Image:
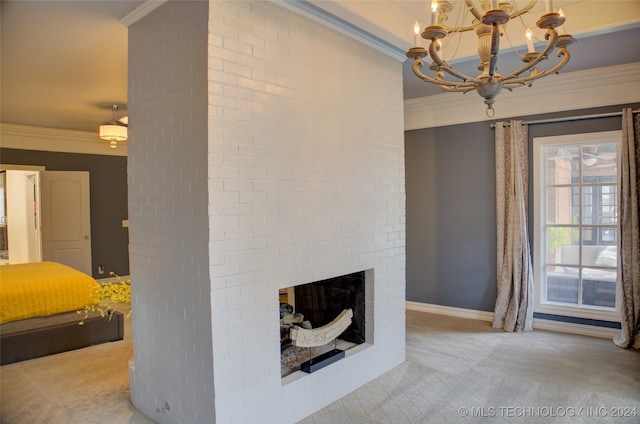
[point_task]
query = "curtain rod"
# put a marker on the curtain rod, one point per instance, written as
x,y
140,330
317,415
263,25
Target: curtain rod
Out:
x,y
570,118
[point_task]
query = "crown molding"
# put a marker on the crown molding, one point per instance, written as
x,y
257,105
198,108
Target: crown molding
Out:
x,y
56,140
330,13
337,16
141,11
574,90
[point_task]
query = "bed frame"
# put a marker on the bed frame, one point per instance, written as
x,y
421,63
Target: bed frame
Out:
x,y
36,337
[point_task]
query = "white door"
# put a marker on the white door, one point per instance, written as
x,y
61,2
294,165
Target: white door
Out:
x,y
66,225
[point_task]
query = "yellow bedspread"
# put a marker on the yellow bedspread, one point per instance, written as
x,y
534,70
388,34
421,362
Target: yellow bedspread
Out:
x,y
42,289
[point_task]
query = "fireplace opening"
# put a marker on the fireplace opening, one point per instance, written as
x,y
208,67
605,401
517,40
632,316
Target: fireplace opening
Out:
x,y
316,306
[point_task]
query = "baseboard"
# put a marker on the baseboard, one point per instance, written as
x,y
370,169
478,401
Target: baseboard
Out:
x,y
571,328
450,310
538,324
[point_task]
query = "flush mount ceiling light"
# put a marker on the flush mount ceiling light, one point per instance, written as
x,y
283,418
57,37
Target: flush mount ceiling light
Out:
x,y
489,22
114,130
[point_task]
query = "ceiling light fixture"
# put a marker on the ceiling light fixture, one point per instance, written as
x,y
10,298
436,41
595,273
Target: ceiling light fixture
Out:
x,y
489,23
113,131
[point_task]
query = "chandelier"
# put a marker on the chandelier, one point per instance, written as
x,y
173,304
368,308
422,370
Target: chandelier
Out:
x,y
489,23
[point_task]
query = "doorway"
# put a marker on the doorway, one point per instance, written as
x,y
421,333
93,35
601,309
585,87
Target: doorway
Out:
x,y
45,216
20,237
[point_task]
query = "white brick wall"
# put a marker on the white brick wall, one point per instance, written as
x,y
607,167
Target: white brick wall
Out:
x,y
168,214
294,172
306,167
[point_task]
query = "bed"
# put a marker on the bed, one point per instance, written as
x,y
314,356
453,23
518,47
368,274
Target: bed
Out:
x,y
38,312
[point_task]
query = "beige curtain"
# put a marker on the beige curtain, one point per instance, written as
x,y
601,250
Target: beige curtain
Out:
x,y
514,304
629,216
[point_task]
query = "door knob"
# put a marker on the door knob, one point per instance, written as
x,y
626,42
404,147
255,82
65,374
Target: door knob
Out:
x,y
86,237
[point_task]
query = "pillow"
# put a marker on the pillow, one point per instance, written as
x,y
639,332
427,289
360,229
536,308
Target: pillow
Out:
x,y
607,257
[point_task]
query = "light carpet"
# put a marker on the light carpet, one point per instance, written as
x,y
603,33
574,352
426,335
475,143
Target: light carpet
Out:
x,y
464,371
457,371
88,386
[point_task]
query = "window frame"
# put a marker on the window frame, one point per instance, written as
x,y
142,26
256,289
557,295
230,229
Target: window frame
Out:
x,y
539,230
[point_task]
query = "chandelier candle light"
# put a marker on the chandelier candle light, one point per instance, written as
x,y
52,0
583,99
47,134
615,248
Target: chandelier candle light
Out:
x,y
489,20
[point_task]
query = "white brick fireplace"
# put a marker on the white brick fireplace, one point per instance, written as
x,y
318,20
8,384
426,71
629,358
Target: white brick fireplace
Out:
x,y
304,180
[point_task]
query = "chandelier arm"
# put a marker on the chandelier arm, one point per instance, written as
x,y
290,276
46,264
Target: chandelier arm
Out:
x,y
418,63
510,87
565,58
551,34
452,30
462,90
473,10
446,67
524,10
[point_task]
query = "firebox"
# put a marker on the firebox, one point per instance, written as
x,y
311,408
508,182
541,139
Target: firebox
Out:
x,y
319,306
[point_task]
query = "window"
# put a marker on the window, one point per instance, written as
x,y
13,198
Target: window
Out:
x,y
576,224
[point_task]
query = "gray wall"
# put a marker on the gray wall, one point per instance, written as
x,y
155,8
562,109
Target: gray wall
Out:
x,y
450,186
108,185
451,222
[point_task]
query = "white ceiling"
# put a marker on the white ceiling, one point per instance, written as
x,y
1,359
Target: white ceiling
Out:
x,y
65,62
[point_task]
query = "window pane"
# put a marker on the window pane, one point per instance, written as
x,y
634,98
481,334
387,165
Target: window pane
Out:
x,y
599,287
560,164
608,205
599,205
587,205
590,254
589,235
608,236
562,284
605,257
562,207
599,163
563,245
